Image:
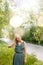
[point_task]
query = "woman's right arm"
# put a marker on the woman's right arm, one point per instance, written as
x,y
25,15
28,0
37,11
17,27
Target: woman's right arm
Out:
x,y
12,45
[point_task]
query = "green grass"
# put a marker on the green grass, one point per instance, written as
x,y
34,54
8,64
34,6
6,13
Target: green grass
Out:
x,y
6,56
32,60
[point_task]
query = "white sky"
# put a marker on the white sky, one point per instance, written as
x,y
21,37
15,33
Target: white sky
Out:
x,y
26,5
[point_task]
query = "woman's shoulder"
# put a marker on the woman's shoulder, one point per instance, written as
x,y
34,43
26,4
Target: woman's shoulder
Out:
x,y
24,42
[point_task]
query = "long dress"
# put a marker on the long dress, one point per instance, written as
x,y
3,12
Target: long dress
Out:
x,y
18,58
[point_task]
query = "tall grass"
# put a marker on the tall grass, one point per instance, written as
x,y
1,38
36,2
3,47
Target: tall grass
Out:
x,y
6,56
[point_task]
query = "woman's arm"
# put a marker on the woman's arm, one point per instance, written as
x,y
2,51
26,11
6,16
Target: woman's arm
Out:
x,y
12,45
25,54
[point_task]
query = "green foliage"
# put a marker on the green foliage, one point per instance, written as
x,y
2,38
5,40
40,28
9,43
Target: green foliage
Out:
x,y
6,54
4,15
38,34
0,1
34,35
32,60
38,63
2,44
28,36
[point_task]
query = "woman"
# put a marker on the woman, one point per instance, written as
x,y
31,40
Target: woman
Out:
x,y
20,51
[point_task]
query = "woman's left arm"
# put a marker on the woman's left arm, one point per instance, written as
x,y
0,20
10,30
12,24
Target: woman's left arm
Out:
x,y
25,54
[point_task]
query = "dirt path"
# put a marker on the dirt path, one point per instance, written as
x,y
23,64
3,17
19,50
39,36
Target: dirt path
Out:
x,y
35,49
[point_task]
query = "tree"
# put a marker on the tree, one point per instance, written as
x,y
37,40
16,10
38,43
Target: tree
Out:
x,y
4,15
41,5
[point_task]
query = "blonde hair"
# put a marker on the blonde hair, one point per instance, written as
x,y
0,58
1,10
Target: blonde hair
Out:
x,y
17,36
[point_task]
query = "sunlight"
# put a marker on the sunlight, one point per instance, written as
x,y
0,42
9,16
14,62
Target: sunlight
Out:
x,y
26,5
16,21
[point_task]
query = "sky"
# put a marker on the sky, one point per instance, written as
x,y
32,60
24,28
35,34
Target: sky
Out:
x,y
27,4
22,5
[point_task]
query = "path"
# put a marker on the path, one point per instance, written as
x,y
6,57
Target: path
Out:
x,y
35,49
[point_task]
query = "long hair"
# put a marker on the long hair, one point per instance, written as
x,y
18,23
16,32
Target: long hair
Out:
x,y
17,35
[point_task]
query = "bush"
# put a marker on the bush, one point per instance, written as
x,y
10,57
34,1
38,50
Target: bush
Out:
x,y
34,35
38,63
28,36
38,34
6,54
32,60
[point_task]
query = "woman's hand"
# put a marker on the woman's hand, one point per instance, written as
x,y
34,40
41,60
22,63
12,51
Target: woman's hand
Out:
x,y
25,61
12,45
9,46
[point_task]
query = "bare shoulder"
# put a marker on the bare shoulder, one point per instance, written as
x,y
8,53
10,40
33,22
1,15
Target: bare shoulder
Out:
x,y
24,43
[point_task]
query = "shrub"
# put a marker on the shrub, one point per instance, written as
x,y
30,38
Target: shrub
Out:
x,y
28,36
6,54
38,34
38,63
32,60
34,35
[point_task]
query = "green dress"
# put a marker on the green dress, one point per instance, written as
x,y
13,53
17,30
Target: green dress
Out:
x,y
18,58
